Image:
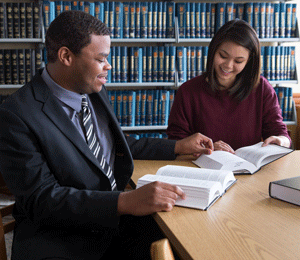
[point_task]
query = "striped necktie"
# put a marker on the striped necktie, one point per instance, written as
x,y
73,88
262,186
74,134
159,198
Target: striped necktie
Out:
x,y
93,143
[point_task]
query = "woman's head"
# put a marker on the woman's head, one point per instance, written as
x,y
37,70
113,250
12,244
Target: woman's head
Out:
x,y
233,60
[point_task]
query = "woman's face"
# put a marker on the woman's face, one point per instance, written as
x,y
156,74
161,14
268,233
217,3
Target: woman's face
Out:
x,y
230,59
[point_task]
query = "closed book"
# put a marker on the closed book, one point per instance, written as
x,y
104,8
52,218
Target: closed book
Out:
x,y
208,20
170,20
288,27
220,15
138,100
22,20
14,67
37,8
125,108
181,13
111,25
282,20
58,7
144,20
256,18
203,20
192,20
16,20
131,108
137,20
7,67
124,61
29,20
132,20
9,20
2,81
126,19
286,189
150,19
294,20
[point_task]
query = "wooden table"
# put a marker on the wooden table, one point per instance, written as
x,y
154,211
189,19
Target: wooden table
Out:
x,y
244,224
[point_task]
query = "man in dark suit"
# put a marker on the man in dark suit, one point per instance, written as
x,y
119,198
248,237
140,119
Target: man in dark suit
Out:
x,y
70,204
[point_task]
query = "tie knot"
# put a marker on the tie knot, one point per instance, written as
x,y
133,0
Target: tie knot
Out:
x,y
84,103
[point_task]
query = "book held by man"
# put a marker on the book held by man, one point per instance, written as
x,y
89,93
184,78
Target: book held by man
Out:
x,y
287,190
201,186
246,160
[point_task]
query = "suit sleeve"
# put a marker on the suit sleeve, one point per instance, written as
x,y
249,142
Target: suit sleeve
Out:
x,y
39,195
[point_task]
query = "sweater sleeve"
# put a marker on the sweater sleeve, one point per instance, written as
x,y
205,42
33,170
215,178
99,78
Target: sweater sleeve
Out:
x,y
272,124
178,124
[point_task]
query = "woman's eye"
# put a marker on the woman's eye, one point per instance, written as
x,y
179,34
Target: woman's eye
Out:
x,y
222,56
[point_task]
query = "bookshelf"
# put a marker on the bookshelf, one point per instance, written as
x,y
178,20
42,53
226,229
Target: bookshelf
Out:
x,y
169,38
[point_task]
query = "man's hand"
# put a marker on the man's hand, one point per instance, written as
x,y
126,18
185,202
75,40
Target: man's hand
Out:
x,y
222,146
148,199
279,140
195,144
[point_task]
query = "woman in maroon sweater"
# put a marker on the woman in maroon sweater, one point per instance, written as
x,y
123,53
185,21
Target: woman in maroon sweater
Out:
x,y
230,103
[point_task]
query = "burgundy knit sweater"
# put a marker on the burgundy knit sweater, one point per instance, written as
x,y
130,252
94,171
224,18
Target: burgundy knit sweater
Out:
x,y
197,109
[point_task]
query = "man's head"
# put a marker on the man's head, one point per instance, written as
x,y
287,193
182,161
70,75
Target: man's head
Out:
x,y
72,29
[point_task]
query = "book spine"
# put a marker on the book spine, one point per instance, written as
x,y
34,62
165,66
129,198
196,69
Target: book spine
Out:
x,y
286,104
282,62
124,57
9,20
192,21
208,20
273,63
106,13
149,64
197,20
294,20
171,20
131,64
118,63
276,20
29,20
67,7
138,100
131,108
288,28
137,64
132,20
172,96
14,66
58,7
119,108
198,60
22,7
188,62
28,66
181,13
155,106
118,19
2,68
282,21
143,107
138,20
204,55
180,63
7,66
257,18
166,65
268,62
37,14
249,13
293,63
111,23
272,21
125,108
172,63
164,20
144,64
290,109
113,101
150,19
144,20
126,19
220,15
268,20
240,11
113,64
159,19
155,64
161,65
229,12
149,107
16,20
188,20
213,20
193,62
154,19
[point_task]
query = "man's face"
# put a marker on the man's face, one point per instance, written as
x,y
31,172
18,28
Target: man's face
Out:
x,y
90,67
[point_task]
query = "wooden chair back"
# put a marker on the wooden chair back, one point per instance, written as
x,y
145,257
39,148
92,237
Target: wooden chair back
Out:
x,y
161,250
5,228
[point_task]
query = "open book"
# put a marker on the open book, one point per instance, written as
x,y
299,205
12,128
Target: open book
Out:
x,y
201,186
246,160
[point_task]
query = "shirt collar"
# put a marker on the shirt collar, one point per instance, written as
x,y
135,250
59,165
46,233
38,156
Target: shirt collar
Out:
x,y
68,97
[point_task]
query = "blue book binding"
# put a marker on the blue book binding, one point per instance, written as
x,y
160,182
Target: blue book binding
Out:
x,y
155,64
124,62
197,20
181,14
256,18
161,64
138,20
125,108
118,63
282,21
220,15
143,107
172,63
203,20
288,27
249,13
144,19
192,21
126,19
131,108
170,20
149,107
154,19
149,64
150,19
138,103
159,19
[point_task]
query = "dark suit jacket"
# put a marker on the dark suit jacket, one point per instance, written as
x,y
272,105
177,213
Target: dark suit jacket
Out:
x,y
64,206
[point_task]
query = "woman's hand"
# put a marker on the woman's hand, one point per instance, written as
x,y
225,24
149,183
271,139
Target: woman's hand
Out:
x,y
279,140
222,146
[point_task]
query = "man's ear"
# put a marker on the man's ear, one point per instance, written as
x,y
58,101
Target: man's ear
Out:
x,y
65,56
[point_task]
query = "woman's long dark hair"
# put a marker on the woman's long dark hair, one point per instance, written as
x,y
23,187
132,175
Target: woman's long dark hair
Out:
x,y
241,33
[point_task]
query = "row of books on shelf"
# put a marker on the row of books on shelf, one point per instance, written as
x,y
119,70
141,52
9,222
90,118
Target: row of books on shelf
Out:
x,y
142,107
195,20
148,64
270,20
139,135
285,99
20,20
278,62
17,66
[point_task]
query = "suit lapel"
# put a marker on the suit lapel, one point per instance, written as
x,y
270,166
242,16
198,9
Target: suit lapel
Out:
x,y
53,110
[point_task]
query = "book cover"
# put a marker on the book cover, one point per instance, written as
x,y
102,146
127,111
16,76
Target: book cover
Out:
x,y
124,62
208,20
126,19
131,108
166,65
286,189
203,20
118,63
111,23
29,20
66,6
229,14
294,20
193,62
188,62
164,20
28,64
198,60
119,107
14,66
257,19
118,20
213,20
161,64
37,14
155,106
197,20
249,13
171,20
172,63
113,63
180,63
268,20
159,19
192,21
99,10
288,26
149,63
149,107
138,64
143,107
106,13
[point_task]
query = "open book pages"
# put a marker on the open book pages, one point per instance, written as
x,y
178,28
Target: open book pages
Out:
x,y
202,189
246,160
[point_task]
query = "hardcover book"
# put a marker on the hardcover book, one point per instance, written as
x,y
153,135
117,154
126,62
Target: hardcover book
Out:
x,y
202,187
